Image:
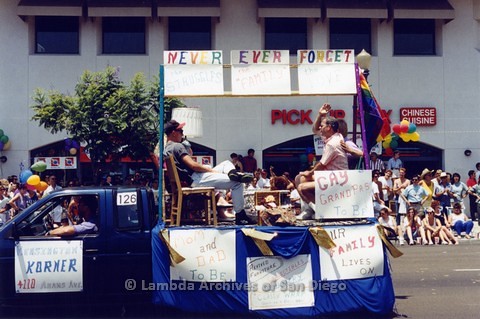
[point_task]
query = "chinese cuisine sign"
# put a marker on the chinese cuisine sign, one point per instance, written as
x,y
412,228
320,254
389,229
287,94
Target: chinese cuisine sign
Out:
x,y
48,266
343,194
209,255
358,253
277,282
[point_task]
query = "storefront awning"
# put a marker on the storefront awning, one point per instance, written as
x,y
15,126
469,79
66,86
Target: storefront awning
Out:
x,y
189,8
289,9
370,9
119,8
424,9
50,8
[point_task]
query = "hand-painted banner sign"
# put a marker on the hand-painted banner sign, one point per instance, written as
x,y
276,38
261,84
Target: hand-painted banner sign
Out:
x,y
209,255
358,253
343,194
276,282
260,72
326,72
48,266
190,73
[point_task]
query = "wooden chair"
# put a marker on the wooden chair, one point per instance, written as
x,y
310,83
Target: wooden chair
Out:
x,y
178,194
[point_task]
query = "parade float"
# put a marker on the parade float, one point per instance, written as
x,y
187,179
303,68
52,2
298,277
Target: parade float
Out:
x,y
334,264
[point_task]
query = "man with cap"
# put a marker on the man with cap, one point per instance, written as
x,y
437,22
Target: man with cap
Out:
x,y
191,173
442,192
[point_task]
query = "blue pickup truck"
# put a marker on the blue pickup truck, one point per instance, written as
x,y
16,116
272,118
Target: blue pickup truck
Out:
x,y
89,268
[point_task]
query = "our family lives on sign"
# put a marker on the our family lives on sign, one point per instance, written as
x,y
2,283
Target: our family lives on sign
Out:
x,y
48,266
343,194
209,255
358,253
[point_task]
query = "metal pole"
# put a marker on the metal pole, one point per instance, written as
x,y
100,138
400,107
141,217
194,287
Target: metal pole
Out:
x,y
161,104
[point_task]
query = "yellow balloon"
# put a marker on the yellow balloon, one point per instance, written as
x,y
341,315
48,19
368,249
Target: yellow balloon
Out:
x,y
386,144
405,122
415,136
33,180
41,186
406,137
7,145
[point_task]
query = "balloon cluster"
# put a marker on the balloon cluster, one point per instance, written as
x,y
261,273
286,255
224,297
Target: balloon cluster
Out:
x,y
5,143
405,130
71,146
32,180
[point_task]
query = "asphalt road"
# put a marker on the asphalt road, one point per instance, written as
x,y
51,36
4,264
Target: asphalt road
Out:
x,y
438,281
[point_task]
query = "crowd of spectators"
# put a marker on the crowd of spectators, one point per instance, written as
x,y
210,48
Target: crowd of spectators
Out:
x,y
429,208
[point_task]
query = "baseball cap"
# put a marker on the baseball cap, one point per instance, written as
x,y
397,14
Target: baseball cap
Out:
x,y
171,126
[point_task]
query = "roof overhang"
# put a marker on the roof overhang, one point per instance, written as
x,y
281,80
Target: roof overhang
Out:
x,y
185,8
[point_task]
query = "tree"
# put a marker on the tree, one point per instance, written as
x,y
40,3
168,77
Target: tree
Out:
x,y
110,118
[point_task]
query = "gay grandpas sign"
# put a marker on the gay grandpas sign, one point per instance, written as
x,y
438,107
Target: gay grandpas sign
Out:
x,y
343,194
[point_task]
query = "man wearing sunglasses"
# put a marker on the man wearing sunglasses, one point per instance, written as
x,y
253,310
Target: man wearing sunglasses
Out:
x,y
415,195
223,176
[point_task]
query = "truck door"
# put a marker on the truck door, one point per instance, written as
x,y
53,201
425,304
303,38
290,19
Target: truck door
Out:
x,y
42,270
128,246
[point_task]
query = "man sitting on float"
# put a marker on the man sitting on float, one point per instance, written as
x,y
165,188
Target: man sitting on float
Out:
x,y
334,157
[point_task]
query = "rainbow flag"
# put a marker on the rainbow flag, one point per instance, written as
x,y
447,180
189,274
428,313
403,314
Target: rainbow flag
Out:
x,y
377,124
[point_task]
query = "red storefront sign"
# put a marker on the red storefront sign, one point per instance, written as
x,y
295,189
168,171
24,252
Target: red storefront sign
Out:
x,y
420,116
294,117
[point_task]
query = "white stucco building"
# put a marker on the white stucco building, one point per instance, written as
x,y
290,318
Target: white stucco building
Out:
x,y
443,74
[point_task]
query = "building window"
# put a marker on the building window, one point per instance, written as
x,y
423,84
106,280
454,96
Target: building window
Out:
x,y
190,33
351,34
56,35
414,37
123,35
286,34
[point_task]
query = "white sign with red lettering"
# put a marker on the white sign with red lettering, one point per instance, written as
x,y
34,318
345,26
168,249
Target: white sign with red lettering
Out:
x,y
209,255
358,253
343,194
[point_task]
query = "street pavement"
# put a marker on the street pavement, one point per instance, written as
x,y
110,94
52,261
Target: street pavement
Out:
x,y
438,281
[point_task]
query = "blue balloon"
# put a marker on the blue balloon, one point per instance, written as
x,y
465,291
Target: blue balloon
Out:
x,y
24,175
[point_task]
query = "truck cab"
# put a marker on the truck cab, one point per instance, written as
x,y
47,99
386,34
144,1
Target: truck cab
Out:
x,y
97,267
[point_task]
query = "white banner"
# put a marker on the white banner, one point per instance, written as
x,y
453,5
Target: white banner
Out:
x,y
280,283
319,144
343,194
358,253
59,162
209,255
326,72
260,72
49,266
190,73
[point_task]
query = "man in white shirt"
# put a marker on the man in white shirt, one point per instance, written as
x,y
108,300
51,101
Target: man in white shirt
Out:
x,y
56,213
